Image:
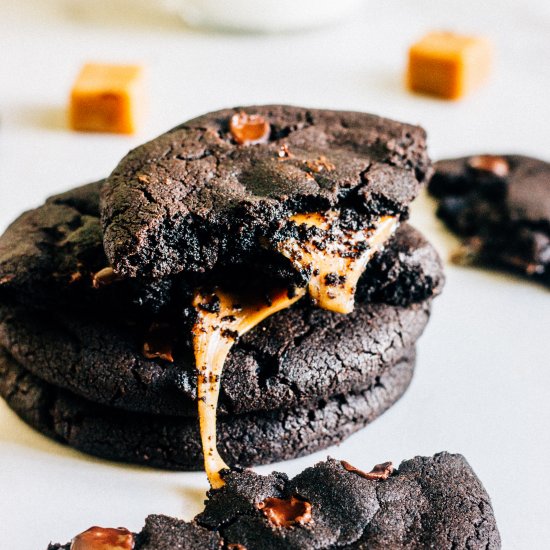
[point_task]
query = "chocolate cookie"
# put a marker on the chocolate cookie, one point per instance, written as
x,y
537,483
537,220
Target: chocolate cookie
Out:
x,y
49,256
500,205
428,502
174,442
293,358
217,190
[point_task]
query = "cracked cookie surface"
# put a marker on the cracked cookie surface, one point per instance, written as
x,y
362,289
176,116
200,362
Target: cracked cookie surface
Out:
x,y
293,358
173,442
194,198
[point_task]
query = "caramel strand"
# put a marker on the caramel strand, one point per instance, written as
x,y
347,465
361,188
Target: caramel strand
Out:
x,y
335,261
221,318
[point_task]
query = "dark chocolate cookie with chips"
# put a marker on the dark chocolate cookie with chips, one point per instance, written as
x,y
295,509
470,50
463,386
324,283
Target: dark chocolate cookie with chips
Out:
x,y
220,189
297,356
52,257
174,442
428,502
500,206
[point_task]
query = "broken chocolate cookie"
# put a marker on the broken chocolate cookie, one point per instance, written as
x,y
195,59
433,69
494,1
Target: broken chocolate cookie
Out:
x,y
428,502
500,206
53,257
202,195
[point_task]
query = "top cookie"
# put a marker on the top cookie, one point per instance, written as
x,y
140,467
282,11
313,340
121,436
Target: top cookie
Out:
x,y
217,190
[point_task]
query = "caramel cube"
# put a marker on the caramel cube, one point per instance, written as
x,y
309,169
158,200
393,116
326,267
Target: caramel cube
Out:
x,y
107,98
448,65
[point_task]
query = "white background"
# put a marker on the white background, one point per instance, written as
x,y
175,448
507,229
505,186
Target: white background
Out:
x,y
483,375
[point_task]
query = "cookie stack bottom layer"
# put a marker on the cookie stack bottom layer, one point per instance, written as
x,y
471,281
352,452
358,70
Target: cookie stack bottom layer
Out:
x,y
174,443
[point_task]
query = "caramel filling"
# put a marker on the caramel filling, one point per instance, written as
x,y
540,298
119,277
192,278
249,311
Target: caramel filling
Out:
x,y
222,318
335,260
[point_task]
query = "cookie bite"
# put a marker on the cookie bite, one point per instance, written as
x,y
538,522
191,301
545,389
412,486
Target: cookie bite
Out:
x,y
242,289
500,206
427,502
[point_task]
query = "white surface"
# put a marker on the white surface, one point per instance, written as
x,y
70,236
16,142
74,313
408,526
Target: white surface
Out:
x,y
483,373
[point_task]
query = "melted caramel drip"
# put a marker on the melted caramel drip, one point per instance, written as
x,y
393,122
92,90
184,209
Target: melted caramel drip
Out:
x,y
336,259
222,318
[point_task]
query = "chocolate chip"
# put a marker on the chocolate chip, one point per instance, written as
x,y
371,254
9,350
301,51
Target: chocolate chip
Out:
x,y
104,277
103,538
284,512
249,129
379,472
159,342
495,165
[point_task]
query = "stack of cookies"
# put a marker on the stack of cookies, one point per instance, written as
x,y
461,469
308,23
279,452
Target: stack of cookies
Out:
x,y
252,266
